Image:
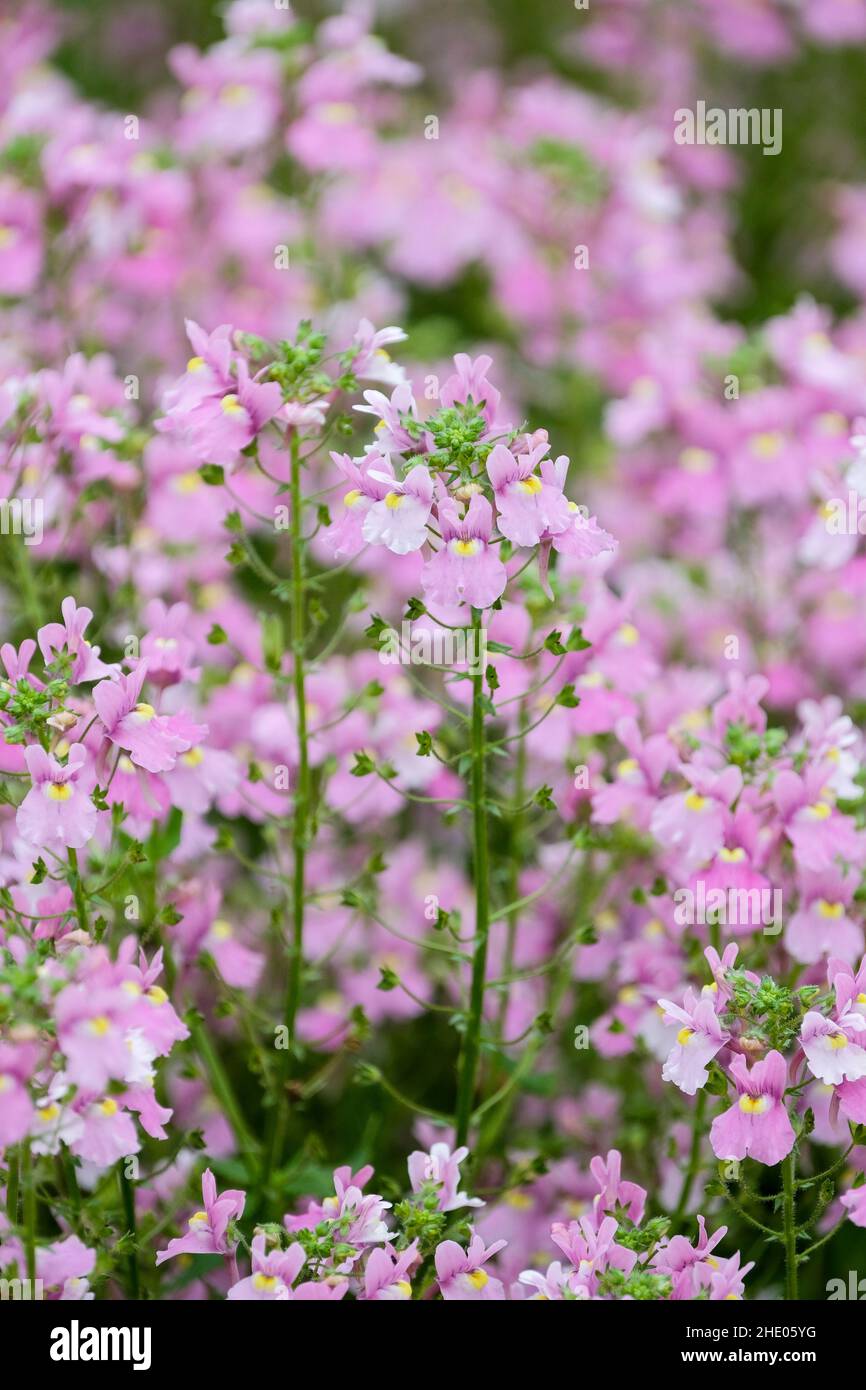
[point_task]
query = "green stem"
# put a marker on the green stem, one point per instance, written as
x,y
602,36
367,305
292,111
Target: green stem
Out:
x,y
220,1084
29,1210
788,1184
300,823
78,891
468,1066
694,1155
515,865
12,1181
127,1197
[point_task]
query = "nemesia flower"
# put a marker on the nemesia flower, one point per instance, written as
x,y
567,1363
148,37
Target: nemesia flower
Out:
x,y
757,1124
442,1168
153,741
58,811
698,1040
209,1228
461,1274
399,520
466,569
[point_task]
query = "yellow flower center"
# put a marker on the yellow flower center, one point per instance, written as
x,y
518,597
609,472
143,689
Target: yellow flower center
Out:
x,y
145,711
628,635
684,1035
188,482
157,995
531,485
236,94
195,364
767,445
754,1105
231,405
393,501
696,460
352,498
405,1287
478,1278
265,1281
193,757
732,856
99,1026
837,1041
520,1201
198,1218
820,810
826,909
465,547
109,1106
222,930
58,791
48,1112
338,113
694,802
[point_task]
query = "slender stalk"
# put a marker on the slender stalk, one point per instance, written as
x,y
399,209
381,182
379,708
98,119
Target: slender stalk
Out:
x,y
127,1197
222,1087
29,1187
694,1155
468,1066
300,823
277,1118
78,890
514,867
790,1225
12,1182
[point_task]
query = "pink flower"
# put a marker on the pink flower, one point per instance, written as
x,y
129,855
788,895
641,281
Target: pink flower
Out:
x,y
208,1229
613,1191
854,1202
442,1168
153,741
370,480
399,521
699,1038
679,1254
58,811
757,1124
16,1108
107,1134
466,569
461,1275
469,382
592,1248
528,507
69,636
208,372
273,1274
835,1050
166,647
385,1275
220,426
